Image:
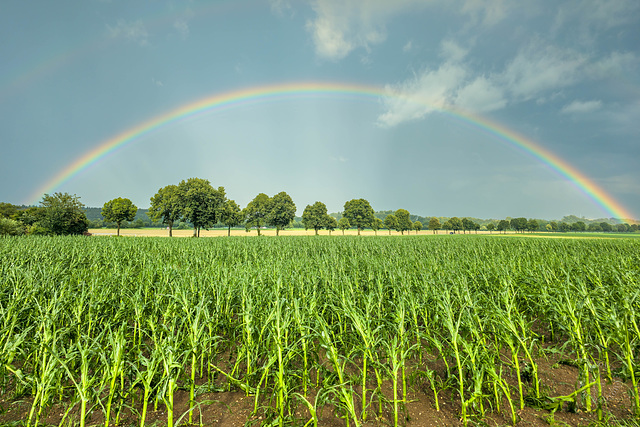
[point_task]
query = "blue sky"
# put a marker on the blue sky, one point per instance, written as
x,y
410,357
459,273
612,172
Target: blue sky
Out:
x,y
563,74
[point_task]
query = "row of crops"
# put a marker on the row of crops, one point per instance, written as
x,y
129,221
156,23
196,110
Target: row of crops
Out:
x,y
113,328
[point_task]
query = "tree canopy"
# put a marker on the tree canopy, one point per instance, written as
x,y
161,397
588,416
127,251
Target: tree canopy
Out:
x,y
256,212
166,205
359,213
315,216
119,210
282,210
62,214
201,203
404,222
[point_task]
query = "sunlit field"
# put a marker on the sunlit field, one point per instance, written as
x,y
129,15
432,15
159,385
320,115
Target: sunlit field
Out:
x,y
324,331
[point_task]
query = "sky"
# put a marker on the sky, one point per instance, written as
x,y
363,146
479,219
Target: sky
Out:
x,y
441,78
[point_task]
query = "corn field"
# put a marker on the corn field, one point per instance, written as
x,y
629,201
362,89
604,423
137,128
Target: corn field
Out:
x,y
308,331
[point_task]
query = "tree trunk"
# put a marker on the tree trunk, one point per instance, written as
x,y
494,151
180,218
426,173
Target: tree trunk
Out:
x,y
229,232
171,229
277,231
195,231
118,229
358,231
258,230
316,231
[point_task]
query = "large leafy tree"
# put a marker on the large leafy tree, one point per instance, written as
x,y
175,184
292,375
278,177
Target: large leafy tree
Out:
x,y
256,212
404,221
344,224
315,216
376,225
119,210
230,215
282,210
503,225
467,224
519,224
201,203
7,210
391,222
359,213
532,225
331,224
62,214
434,224
166,205
455,223
417,226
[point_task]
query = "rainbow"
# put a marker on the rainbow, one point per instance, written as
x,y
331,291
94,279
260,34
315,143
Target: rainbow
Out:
x,y
305,89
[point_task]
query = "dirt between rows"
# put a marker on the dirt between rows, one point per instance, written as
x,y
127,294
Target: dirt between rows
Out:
x,y
235,408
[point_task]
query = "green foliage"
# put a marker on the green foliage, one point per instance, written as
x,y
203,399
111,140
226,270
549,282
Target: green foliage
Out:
x,y
10,227
7,210
403,221
359,213
315,216
119,210
434,224
230,215
376,225
519,224
455,224
256,212
201,203
62,214
391,222
344,224
503,225
166,206
417,226
282,210
360,325
331,223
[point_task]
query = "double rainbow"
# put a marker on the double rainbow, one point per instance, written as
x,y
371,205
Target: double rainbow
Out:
x,y
271,92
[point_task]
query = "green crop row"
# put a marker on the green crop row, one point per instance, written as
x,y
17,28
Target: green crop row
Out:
x,y
118,325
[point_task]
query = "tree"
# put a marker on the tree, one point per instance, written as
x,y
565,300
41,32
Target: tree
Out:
x,y
563,227
10,227
256,212
282,210
7,210
491,226
166,205
622,228
554,226
119,210
519,224
455,223
376,225
344,224
391,222
315,216
417,226
605,226
503,225
62,214
532,225
578,226
467,224
404,220
201,203
594,227
434,224
230,215
359,213
331,223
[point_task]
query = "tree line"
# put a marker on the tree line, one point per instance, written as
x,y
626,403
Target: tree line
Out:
x,y
197,202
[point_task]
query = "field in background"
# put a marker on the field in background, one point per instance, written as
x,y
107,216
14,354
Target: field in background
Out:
x,y
334,331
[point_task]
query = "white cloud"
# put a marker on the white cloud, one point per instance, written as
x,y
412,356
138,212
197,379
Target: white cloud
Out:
x,y
481,95
130,31
430,91
581,107
341,26
540,68
182,27
407,47
279,7
452,51
156,82
488,12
